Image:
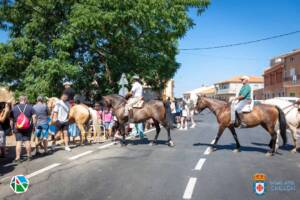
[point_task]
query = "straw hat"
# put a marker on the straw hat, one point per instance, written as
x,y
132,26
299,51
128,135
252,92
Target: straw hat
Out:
x,y
6,95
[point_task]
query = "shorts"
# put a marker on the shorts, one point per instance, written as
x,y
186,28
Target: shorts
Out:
x,y
108,125
61,126
24,136
42,131
52,129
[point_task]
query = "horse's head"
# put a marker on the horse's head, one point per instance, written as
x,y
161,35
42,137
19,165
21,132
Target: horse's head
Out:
x,y
51,103
201,104
112,100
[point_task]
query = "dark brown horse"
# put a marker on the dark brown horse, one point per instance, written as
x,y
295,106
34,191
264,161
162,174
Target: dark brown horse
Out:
x,y
271,118
153,109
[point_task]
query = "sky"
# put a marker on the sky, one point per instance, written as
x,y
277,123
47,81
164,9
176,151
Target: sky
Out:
x,y
232,21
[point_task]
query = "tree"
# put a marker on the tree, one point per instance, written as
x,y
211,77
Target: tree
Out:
x,y
88,41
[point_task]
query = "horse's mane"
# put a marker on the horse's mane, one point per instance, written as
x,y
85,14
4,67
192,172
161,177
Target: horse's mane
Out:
x,y
218,101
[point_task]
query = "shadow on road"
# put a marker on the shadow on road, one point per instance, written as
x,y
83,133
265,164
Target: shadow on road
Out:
x,y
287,147
232,147
145,141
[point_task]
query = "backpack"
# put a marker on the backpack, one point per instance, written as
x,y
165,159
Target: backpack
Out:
x,y
22,122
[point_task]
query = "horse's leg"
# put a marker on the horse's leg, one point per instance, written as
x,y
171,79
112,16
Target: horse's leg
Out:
x,y
294,136
157,127
273,141
232,130
82,133
122,130
170,142
220,132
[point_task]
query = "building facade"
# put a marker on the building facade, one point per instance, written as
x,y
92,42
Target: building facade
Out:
x,y
229,88
282,78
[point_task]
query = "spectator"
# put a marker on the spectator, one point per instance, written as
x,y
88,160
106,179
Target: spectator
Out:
x,y
178,113
60,119
184,116
139,127
173,111
4,126
191,108
69,91
25,112
107,118
42,125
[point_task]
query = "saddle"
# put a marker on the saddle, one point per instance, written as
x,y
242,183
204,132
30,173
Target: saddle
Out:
x,y
139,104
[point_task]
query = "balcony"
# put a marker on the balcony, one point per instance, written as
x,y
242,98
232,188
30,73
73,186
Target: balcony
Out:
x,y
289,82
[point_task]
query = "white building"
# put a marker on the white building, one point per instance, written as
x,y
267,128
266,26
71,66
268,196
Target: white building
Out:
x,y
229,88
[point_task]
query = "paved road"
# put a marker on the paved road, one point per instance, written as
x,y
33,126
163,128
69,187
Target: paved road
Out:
x,y
140,171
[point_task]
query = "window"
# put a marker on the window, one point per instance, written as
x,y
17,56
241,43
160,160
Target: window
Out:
x,y
291,59
292,94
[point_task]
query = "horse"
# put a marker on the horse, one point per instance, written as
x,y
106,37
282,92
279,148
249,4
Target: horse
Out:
x,y
270,117
292,116
82,115
157,110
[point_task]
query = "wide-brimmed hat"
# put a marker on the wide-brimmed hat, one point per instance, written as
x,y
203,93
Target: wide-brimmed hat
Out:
x,y
6,95
67,83
245,78
136,77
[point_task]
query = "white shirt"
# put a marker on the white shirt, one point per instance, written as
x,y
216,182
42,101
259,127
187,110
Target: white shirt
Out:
x,y
137,89
62,109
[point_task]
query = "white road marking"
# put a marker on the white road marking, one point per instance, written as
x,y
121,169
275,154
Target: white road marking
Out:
x,y
200,164
80,155
207,150
189,188
106,145
42,170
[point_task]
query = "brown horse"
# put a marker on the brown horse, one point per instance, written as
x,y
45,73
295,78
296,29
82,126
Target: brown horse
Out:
x,y
271,118
153,109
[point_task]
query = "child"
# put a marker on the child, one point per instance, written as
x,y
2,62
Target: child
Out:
x,y
107,118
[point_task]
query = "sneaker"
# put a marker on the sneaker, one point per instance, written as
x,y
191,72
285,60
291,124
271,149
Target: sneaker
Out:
x,y
181,128
186,128
193,126
18,161
67,148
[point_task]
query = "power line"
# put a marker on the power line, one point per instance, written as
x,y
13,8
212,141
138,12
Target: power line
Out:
x,y
241,43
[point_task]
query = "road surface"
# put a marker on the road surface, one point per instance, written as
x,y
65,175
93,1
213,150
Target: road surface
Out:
x,y
139,171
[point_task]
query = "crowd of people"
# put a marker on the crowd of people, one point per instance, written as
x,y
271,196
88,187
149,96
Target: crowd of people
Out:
x,y
182,112
51,123
40,124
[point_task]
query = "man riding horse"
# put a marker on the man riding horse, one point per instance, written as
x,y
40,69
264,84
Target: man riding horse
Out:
x,y
136,94
240,102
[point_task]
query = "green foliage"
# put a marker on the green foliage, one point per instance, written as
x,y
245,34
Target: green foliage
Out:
x,y
91,40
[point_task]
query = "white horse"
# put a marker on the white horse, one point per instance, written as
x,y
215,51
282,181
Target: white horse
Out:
x,y
292,116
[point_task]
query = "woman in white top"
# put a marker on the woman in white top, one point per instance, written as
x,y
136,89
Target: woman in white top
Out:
x,y
185,111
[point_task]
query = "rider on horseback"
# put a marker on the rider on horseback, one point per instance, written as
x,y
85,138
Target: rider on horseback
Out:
x,y
136,94
243,99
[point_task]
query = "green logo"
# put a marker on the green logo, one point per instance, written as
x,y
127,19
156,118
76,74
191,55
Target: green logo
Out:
x,y
19,184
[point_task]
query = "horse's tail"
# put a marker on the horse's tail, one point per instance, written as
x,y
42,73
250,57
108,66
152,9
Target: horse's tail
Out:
x,y
95,122
168,115
282,124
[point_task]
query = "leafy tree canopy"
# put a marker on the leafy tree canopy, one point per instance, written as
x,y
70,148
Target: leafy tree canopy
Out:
x,y
90,41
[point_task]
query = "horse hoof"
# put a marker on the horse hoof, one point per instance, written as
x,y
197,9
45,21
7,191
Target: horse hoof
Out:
x,y
152,144
211,149
294,150
171,144
269,154
236,151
